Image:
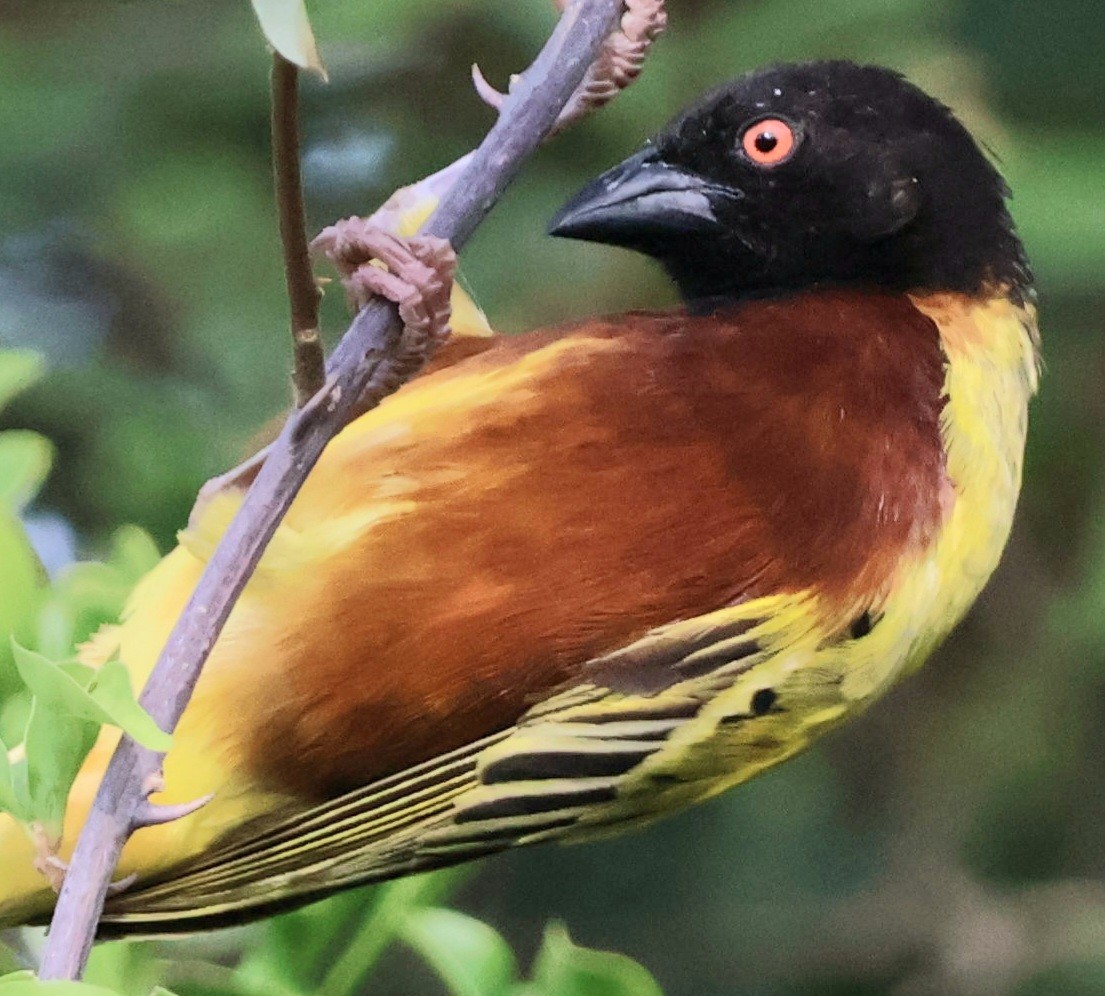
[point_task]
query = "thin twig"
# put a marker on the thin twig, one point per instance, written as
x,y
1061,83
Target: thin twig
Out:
x,y
150,814
309,371
360,373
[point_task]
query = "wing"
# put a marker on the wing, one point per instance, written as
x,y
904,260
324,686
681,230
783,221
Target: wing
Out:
x,y
598,757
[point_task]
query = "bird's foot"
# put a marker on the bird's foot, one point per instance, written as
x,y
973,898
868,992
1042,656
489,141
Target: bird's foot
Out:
x,y
618,65
415,273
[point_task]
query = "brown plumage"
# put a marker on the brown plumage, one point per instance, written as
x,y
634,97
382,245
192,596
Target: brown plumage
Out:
x,y
554,518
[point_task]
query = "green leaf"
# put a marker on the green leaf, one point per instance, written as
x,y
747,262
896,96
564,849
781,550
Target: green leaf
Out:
x,y
471,958
9,962
394,902
108,697
87,595
125,966
9,796
25,459
297,946
54,629
288,30
25,984
565,969
56,746
14,717
61,687
111,690
21,586
133,552
19,369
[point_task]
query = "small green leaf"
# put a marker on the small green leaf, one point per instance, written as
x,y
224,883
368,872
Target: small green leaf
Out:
x,y
107,699
15,711
71,702
565,969
133,552
126,967
60,687
393,903
297,946
111,690
86,595
18,371
471,958
25,984
82,674
288,30
54,629
8,961
25,459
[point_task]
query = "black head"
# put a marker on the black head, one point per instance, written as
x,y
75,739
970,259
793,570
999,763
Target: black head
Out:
x,y
794,175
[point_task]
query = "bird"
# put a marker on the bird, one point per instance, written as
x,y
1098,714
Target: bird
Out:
x,y
574,580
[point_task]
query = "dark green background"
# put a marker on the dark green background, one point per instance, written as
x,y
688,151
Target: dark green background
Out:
x,y
949,842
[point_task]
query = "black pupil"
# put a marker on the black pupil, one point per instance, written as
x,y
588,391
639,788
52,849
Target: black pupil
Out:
x,y
765,141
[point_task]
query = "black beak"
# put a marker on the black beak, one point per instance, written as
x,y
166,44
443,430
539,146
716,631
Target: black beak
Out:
x,y
639,200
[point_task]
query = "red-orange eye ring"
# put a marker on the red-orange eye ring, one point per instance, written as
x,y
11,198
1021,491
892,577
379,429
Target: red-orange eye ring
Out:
x,y
769,142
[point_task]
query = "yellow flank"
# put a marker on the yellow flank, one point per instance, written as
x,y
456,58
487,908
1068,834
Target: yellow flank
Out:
x,y
991,376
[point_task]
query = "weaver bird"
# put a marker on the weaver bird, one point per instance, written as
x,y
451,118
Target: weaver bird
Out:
x,y
587,576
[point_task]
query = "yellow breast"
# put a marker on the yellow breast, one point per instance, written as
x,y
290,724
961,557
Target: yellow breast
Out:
x,y
991,376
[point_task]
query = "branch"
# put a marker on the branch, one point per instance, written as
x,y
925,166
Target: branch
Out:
x,y
360,375
618,65
309,371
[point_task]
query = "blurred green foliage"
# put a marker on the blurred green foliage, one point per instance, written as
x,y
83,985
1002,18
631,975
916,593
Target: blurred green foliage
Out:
x,y
51,706
334,948
947,843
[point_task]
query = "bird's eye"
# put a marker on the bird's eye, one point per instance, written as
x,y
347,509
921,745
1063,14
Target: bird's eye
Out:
x,y
769,142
